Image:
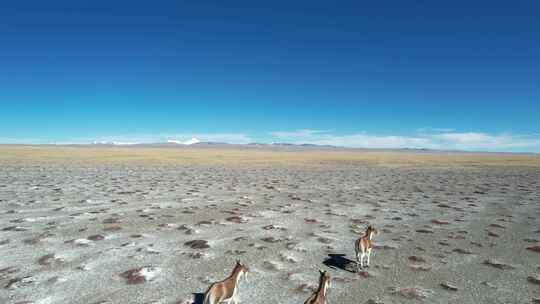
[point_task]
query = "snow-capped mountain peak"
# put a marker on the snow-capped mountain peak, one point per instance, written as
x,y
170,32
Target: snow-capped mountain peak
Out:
x,y
187,142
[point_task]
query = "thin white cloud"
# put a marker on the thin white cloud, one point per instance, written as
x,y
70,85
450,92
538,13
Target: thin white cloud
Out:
x,y
187,138
359,140
296,133
483,141
232,138
443,140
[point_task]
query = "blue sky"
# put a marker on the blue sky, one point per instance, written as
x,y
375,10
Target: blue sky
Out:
x,y
379,74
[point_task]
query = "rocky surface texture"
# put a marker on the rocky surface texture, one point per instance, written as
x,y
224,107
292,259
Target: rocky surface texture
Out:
x,y
72,233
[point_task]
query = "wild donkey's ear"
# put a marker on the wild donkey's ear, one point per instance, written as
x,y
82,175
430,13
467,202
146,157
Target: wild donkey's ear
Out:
x,y
238,262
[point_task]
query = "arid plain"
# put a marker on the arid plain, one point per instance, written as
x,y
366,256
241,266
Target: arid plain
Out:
x,y
88,225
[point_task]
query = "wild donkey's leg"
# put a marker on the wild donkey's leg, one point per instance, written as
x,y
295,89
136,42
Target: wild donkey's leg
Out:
x,y
368,256
209,299
362,259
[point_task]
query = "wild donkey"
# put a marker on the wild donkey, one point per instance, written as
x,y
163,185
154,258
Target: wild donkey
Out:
x,y
319,297
363,246
226,290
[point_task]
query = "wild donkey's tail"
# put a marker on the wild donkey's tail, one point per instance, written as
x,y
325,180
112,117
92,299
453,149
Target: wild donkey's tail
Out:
x,y
357,246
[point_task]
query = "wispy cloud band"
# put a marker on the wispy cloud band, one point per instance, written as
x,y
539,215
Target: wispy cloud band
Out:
x,y
443,139
426,138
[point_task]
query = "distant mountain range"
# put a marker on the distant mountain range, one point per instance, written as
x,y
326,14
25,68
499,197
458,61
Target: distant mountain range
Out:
x,y
195,143
277,146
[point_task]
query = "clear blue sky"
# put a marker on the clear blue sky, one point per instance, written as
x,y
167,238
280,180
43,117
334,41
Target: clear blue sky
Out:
x,y
452,74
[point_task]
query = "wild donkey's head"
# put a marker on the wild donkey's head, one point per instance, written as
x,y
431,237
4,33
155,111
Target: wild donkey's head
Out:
x,y
242,269
324,280
370,232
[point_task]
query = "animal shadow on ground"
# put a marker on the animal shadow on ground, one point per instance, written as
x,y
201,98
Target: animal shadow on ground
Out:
x,y
198,298
341,262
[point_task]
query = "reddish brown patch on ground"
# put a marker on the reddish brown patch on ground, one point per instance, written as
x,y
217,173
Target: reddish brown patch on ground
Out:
x,y
236,219
133,276
417,259
112,228
49,259
96,237
439,222
198,244
271,239
364,274
534,248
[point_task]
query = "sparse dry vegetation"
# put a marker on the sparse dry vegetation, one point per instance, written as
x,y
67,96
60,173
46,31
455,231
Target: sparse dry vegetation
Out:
x,y
260,157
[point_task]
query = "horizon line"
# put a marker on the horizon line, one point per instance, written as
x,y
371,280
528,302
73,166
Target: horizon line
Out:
x,y
305,146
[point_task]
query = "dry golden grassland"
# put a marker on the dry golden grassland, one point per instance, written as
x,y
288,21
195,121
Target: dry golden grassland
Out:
x,y
257,157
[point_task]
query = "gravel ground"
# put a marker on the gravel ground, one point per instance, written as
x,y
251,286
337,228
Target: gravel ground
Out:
x,y
73,233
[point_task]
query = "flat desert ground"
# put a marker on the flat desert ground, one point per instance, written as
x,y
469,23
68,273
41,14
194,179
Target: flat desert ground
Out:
x,y
88,225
